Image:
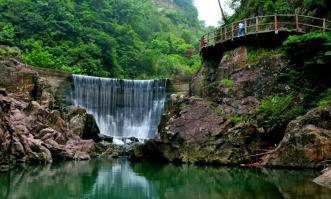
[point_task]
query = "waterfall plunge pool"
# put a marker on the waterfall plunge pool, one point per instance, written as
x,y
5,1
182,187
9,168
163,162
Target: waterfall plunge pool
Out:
x,y
121,179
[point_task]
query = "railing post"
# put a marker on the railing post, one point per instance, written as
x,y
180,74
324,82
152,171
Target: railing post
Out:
x,y
225,33
257,24
214,36
245,26
201,43
297,23
232,26
221,35
324,25
276,24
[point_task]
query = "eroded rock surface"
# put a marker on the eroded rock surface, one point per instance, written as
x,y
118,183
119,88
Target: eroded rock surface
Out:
x,y
31,128
307,142
324,179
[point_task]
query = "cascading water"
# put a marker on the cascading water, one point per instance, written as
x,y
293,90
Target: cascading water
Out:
x,y
122,108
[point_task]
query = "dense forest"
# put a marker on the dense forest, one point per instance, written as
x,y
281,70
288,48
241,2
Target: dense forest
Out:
x,y
111,38
251,8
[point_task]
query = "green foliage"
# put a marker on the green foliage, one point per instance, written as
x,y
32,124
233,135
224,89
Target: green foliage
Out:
x,y
311,45
217,110
123,39
182,106
278,109
232,139
325,98
7,33
39,56
254,55
9,52
236,118
250,8
308,71
227,82
275,105
240,118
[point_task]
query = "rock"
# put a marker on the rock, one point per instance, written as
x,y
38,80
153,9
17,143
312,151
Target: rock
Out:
x,y
82,123
130,140
324,179
91,129
81,156
307,142
197,135
114,151
173,98
32,130
105,138
4,168
3,92
77,118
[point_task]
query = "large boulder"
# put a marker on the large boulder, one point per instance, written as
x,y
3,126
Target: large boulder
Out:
x,y
324,179
76,117
82,123
307,142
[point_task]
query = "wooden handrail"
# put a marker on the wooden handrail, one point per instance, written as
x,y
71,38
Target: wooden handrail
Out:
x,y
263,24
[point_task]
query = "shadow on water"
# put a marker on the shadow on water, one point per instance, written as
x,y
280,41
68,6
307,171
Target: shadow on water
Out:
x,y
119,179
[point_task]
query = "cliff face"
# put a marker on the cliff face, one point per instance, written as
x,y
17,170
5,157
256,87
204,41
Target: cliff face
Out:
x,y
32,127
218,123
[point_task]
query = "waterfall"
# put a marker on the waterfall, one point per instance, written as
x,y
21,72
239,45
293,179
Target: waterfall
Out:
x,y
122,108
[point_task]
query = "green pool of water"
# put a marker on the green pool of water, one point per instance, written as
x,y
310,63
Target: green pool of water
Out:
x,y
118,178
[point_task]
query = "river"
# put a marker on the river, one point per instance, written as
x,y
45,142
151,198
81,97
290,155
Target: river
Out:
x,y
121,179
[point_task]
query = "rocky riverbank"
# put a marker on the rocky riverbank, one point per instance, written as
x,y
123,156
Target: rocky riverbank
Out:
x,y
33,128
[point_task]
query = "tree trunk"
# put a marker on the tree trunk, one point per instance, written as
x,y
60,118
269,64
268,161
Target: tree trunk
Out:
x,y
222,11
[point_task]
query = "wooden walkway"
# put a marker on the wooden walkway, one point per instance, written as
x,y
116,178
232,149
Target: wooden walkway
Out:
x,y
264,24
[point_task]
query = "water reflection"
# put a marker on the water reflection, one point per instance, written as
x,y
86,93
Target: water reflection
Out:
x,y
119,179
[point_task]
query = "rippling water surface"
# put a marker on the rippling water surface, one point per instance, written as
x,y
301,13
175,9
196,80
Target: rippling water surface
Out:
x,y
117,179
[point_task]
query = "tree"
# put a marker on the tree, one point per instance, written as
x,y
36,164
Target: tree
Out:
x,y
222,11
100,37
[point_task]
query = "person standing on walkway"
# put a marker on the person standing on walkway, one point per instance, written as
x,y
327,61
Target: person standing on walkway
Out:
x,y
241,29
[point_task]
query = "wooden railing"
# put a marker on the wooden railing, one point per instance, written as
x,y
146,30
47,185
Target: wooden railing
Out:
x,y
263,24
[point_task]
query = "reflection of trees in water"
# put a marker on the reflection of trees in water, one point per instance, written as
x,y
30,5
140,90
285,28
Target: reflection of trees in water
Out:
x,y
5,186
92,179
53,181
296,184
119,179
212,182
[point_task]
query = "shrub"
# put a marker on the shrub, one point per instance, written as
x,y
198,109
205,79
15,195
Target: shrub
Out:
x,y
254,55
217,110
308,70
8,52
236,118
278,109
227,82
325,98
